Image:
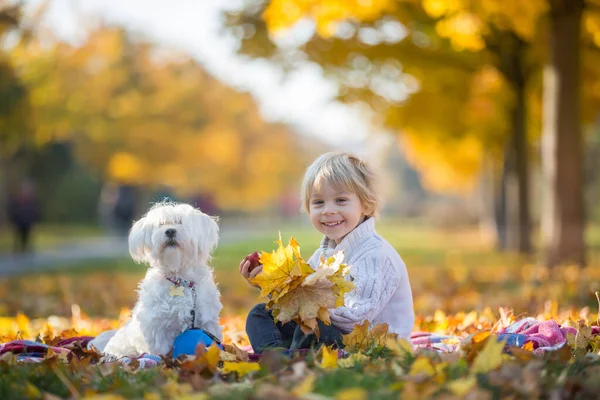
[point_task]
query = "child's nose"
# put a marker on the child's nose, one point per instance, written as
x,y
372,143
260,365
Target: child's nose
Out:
x,y
328,209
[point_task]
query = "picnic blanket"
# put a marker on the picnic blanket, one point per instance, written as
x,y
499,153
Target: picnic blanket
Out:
x,y
35,352
544,336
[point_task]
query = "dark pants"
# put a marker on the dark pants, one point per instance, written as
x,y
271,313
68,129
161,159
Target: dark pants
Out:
x,y
264,333
22,238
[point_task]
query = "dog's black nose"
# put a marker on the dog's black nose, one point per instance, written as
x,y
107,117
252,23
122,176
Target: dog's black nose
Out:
x,y
170,232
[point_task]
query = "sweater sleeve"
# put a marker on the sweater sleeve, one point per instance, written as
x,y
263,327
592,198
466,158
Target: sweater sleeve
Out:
x,y
376,280
313,261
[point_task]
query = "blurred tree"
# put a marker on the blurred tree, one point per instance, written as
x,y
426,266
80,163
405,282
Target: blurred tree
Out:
x,y
14,105
494,49
562,228
139,115
451,106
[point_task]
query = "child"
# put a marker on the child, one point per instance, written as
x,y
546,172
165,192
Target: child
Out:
x,y
338,195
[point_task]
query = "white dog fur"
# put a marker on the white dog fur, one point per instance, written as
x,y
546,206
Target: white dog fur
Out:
x,y
162,312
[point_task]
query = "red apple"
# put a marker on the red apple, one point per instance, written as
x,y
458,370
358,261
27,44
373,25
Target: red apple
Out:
x,y
254,260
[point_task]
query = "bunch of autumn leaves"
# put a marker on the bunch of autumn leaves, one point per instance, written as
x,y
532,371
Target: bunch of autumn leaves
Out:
x,y
297,292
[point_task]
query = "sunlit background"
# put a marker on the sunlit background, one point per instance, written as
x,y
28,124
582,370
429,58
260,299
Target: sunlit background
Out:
x,y
485,156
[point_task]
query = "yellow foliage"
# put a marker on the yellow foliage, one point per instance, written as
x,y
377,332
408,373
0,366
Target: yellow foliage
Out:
x,y
362,338
462,386
282,14
490,357
240,368
125,168
352,394
464,31
305,386
296,291
139,119
330,357
449,166
422,367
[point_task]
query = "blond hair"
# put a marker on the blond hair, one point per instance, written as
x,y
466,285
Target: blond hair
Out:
x,y
345,172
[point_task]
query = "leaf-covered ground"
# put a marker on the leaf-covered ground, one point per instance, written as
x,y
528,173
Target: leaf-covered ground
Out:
x,y
469,295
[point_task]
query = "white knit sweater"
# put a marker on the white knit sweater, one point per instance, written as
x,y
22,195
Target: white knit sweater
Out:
x,y
382,293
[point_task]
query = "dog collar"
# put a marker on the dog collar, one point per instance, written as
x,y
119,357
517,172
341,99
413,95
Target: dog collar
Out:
x,y
192,286
180,282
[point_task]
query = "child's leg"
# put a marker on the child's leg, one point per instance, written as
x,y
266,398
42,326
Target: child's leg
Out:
x,y
328,335
264,333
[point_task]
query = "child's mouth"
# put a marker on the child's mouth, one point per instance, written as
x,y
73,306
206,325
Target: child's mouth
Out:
x,y
332,224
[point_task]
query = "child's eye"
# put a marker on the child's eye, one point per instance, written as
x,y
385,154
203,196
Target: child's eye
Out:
x,y
341,200
317,202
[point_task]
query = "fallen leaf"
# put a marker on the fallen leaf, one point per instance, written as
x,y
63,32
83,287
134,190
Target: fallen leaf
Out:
x,y
462,386
330,357
362,338
305,386
421,367
240,368
490,357
352,394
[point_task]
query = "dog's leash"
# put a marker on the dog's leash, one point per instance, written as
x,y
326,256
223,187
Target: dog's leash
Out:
x,y
192,286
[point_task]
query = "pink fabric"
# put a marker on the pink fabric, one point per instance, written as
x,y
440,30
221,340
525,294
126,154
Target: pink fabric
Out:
x,y
29,346
547,334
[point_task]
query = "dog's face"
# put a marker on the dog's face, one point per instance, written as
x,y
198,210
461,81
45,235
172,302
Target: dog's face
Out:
x,y
173,236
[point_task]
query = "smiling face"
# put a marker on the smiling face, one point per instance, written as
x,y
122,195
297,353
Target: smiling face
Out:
x,y
335,212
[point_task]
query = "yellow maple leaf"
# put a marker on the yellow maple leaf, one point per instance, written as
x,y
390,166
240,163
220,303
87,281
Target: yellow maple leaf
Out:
x,y
208,358
330,357
361,338
242,368
280,267
490,357
296,291
307,303
353,341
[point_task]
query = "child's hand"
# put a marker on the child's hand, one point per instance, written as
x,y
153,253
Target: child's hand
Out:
x,y
250,267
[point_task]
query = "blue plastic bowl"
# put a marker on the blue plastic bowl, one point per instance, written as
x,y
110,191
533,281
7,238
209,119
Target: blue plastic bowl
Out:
x,y
187,341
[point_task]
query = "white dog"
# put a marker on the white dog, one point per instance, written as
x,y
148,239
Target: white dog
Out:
x,y
178,291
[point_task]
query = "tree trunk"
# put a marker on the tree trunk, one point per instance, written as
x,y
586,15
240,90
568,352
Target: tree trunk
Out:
x,y
562,214
520,148
513,206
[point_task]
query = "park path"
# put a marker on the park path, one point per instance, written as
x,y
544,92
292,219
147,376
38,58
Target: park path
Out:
x,y
106,247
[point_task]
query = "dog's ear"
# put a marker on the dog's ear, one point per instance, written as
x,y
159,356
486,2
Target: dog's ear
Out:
x,y
207,235
140,240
